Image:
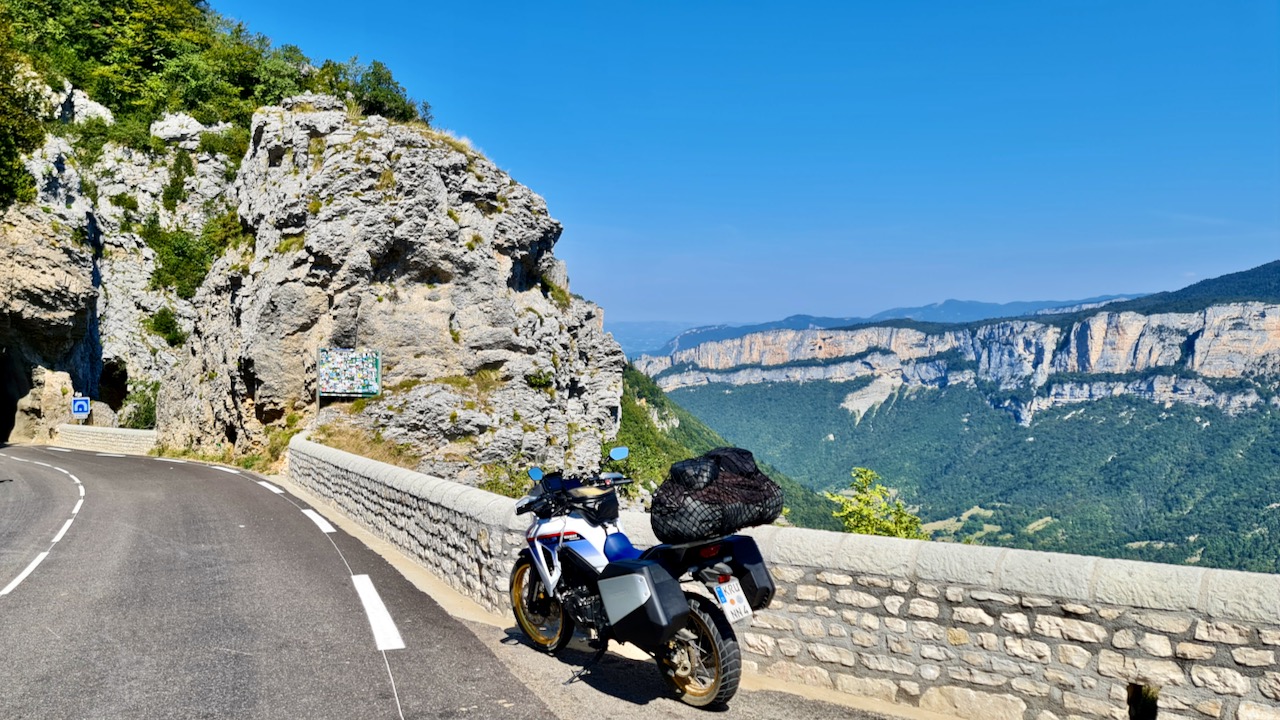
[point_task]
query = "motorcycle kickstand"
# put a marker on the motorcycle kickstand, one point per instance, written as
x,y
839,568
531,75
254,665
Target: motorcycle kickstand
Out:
x,y
600,651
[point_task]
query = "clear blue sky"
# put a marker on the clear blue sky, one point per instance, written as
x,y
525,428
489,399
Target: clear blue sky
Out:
x,y
744,161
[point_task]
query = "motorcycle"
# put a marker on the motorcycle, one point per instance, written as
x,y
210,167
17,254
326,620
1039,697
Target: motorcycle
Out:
x,y
581,571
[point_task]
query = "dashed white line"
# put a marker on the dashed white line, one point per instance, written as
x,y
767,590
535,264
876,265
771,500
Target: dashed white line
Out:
x,y
56,538
270,487
385,634
66,526
109,455
172,460
23,576
225,470
319,521
62,450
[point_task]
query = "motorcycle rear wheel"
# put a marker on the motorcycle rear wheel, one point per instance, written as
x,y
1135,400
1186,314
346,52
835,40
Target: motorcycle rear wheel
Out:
x,y
705,669
539,615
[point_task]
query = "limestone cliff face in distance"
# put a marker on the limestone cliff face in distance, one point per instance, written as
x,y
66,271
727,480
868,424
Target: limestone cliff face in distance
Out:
x,y
1163,357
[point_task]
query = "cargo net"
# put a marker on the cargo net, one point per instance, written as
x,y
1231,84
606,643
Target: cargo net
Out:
x,y
713,495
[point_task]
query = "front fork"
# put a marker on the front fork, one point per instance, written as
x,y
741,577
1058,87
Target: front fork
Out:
x,y
550,575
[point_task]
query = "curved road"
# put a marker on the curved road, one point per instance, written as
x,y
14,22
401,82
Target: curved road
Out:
x,y
145,587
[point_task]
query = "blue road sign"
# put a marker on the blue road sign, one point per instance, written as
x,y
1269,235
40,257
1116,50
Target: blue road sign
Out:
x,y
80,408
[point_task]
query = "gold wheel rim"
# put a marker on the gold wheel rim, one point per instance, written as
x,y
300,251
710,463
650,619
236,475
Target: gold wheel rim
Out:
x,y
531,628
693,684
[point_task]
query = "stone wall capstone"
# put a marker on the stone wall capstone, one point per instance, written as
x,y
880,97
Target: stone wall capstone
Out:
x,y
976,632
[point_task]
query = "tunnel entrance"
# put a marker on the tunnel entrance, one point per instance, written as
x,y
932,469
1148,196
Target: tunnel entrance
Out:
x,y
113,384
15,383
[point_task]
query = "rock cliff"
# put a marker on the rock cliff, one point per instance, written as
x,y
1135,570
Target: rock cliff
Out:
x,y
1226,355
352,232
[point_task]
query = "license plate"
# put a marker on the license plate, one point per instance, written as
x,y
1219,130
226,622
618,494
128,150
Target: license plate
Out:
x,y
732,601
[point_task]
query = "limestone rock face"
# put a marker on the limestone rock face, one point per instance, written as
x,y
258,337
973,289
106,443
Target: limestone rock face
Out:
x,y
396,238
48,296
364,234
1170,356
183,130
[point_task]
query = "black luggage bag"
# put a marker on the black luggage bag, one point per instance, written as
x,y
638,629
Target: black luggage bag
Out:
x,y
714,495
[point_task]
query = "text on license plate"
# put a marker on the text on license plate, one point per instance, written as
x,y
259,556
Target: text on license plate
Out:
x,y
733,601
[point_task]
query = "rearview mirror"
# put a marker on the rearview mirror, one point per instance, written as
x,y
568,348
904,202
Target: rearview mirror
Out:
x,y
619,453
535,474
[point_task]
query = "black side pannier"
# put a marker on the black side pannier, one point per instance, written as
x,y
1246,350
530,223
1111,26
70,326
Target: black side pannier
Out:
x,y
714,495
645,605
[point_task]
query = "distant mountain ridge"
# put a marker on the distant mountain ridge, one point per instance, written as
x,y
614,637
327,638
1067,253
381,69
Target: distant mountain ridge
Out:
x,y
1145,429
947,311
1216,342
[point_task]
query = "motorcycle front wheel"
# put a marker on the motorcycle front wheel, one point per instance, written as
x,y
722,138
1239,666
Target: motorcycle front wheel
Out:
x,y
703,664
539,615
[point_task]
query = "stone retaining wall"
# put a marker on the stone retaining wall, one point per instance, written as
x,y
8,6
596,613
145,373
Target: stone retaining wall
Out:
x,y
114,440
976,632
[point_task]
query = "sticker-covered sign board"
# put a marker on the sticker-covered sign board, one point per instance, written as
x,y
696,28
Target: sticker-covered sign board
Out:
x,y
349,373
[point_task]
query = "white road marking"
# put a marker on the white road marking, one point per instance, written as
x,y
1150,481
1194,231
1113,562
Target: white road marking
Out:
x,y
173,460
56,538
18,580
58,449
270,487
17,459
225,470
385,634
63,531
319,521
109,455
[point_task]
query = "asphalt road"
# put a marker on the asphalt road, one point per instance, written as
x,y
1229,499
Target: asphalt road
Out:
x,y
180,590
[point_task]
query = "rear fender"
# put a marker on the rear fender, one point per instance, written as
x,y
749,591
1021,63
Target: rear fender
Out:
x,y
739,552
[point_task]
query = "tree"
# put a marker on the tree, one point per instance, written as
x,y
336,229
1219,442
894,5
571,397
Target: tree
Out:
x,y
379,94
20,127
869,510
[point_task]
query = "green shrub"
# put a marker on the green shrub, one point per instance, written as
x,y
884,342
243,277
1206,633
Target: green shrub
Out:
x,y
142,395
165,324
224,231
124,201
542,379
176,191
181,260
869,510
233,143
507,479
20,128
